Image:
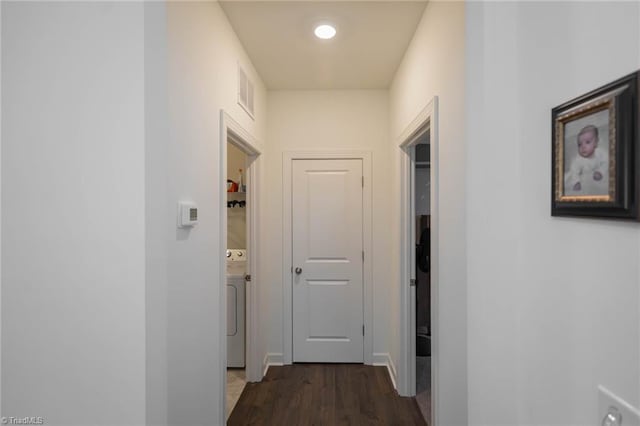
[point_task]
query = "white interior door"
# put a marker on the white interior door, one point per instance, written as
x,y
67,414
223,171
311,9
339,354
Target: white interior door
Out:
x,y
327,251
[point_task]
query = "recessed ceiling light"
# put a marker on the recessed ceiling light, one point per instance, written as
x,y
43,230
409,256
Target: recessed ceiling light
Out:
x,y
325,31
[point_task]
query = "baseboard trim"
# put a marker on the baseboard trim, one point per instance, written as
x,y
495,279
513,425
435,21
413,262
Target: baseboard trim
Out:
x,y
385,360
379,359
270,359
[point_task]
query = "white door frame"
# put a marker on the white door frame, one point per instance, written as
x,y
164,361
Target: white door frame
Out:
x,y
231,131
287,276
426,120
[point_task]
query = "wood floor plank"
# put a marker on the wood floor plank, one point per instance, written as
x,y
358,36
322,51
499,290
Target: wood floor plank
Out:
x,y
324,394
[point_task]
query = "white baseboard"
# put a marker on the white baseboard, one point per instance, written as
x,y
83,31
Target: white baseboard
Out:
x,y
271,359
379,359
384,359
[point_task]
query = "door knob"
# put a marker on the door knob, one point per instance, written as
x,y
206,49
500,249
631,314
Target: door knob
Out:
x,y
298,271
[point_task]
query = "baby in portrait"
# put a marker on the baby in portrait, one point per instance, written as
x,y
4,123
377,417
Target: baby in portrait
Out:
x,y
589,171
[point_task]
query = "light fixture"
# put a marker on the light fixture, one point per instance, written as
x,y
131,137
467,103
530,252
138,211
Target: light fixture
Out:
x,y
325,31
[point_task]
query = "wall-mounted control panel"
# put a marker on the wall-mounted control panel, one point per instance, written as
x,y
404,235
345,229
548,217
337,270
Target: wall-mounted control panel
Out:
x,y
187,215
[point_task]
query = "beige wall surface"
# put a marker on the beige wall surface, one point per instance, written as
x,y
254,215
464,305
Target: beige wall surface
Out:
x,y
330,121
434,66
184,357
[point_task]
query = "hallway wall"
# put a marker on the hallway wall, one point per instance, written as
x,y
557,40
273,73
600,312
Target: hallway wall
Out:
x,y
73,243
553,302
328,120
191,72
434,66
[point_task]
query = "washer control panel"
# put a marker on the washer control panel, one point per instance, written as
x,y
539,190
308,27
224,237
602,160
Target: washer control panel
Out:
x,y
236,255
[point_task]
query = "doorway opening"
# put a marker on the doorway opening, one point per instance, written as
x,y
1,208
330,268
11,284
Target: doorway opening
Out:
x,y
422,214
419,261
238,326
237,273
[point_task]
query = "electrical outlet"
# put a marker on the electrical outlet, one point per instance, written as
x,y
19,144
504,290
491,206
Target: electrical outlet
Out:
x,y
614,411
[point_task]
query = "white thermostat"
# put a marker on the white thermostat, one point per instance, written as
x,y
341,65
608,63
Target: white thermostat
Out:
x,y
187,215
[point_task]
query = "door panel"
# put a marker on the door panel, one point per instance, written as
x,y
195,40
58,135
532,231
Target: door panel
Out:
x,y
327,247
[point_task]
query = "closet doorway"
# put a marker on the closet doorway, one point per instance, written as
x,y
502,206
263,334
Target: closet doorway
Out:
x,y
238,280
418,369
238,277
422,283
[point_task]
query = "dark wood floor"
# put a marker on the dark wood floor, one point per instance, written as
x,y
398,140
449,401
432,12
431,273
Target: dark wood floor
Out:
x,y
324,394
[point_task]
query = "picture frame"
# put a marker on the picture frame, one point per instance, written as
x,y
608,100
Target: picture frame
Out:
x,y
595,156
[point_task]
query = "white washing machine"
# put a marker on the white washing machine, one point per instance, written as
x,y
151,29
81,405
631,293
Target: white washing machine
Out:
x,y
236,270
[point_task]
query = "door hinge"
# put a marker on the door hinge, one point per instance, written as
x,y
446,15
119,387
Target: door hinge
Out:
x,y
363,329
363,255
363,181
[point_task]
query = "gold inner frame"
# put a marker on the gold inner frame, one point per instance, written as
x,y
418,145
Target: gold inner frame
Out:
x,y
606,102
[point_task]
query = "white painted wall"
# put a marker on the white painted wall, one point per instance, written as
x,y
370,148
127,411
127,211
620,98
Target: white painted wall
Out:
x,y
157,223
434,66
1,210
202,54
236,160
328,120
73,241
553,302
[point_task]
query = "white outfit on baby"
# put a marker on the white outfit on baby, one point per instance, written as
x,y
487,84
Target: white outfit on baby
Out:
x,y
583,169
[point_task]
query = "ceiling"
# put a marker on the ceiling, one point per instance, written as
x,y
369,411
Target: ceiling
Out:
x,y
371,40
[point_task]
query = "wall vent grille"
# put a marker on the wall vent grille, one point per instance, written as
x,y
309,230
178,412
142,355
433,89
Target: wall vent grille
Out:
x,y
245,92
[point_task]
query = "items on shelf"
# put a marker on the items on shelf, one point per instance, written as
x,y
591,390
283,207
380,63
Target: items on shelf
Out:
x,y
238,186
234,203
241,185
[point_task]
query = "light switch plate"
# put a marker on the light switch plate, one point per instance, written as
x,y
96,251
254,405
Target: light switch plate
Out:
x,y
630,416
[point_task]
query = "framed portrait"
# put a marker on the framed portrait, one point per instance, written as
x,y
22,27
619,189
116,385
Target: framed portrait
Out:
x,y
596,154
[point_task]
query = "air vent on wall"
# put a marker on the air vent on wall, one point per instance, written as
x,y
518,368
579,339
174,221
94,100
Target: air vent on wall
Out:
x,y
245,92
